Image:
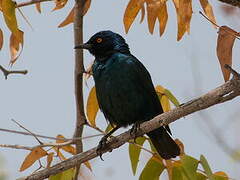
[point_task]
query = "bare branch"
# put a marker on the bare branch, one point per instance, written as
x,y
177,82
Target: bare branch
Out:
x,y
15,146
6,72
225,92
78,77
27,3
232,2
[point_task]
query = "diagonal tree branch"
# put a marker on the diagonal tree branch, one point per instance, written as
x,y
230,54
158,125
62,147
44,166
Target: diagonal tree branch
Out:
x,y
232,2
223,93
31,2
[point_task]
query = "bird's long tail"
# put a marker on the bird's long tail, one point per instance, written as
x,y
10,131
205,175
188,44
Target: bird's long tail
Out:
x,y
164,144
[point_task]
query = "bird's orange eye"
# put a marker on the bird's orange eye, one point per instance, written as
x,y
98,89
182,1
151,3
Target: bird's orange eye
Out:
x,y
99,40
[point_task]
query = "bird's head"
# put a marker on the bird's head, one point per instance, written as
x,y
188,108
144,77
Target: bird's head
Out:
x,y
104,43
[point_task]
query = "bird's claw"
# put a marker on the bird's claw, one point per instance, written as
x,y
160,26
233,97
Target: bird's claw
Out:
x,y
134,129
101,146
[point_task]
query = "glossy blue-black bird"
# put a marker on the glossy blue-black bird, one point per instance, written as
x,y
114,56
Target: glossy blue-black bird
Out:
x,y
125,91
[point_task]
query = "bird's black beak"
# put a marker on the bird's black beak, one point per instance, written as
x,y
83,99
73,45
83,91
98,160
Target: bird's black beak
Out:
x,y
83,46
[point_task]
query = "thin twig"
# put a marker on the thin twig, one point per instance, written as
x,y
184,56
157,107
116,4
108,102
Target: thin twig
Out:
x,y
40,142
27,3
7,72
211,98
47,137
16,146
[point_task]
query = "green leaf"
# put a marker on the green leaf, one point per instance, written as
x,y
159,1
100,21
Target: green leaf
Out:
x,y
177,173
190,165
201,176
152,170
171,97
134,153
65,175
220,176
206,166
153,149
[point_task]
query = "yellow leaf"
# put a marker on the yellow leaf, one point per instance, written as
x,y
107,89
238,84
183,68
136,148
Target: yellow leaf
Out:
x,y
88,165
162,18
49,159
15,46
1,39
160,89
152,13
59,4
165,103
38,7
92,107
207,8
225,43
33,156
131,12
59,154
69,148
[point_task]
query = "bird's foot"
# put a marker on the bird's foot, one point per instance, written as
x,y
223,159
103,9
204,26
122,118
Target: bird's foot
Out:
x,y
134,129
102,144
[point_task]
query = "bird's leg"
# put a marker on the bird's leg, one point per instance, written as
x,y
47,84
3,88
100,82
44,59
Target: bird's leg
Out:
x,y
134,129
103,142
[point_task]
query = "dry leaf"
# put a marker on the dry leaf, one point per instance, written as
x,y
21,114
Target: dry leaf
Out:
x,y
15,46
226,38
184,14
49,159
38,7
92,107
1,39
88,165
222,174
70,16
33,156
131,12
160,89
59,154
207,8
180,144
142,13
59,4
153,7
0,5
162,17
69,148
8,8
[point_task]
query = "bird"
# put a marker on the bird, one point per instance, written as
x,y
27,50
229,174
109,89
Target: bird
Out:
x,y
125,91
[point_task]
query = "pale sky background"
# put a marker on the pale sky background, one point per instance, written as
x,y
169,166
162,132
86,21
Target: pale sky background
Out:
x,y
43,100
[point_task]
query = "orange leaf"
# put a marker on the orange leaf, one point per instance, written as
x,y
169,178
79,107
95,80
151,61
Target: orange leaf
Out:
x,y
59,4
38,7
1,39
33,156
162,17
131,12
142,13
86,6
184,14
0,5
49,159
68,19
14,46
160,89
225,43
92,107
207,8
69,148
152,13
59,154
180,144
222,174
88,165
